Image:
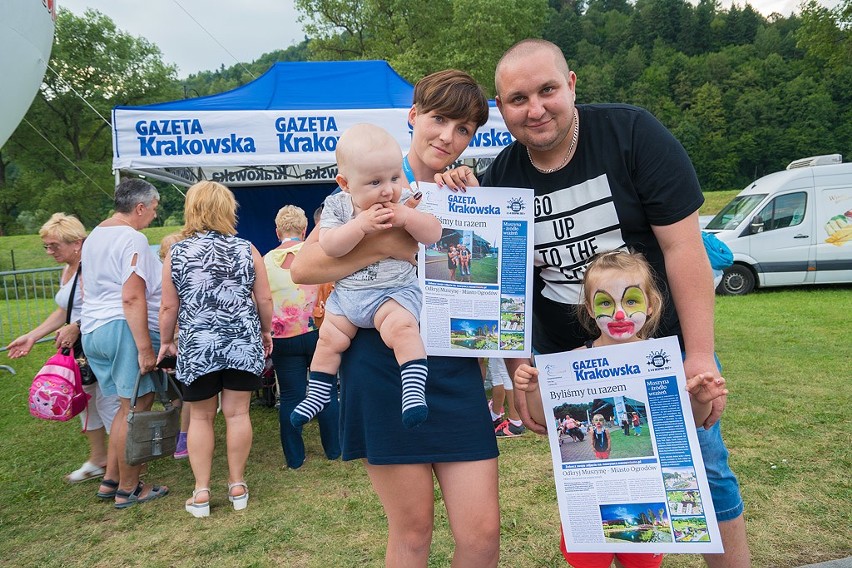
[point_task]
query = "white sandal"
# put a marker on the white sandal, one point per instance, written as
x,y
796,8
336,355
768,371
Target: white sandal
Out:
x,y
197,509
240,502
85,472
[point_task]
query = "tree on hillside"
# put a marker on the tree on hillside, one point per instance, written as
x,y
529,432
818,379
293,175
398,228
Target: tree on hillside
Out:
x,y
417,37
63,162
227,78
827,33
826,37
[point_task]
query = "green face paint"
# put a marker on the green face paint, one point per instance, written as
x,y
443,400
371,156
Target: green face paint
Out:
x,y
634,301
604,305
619,305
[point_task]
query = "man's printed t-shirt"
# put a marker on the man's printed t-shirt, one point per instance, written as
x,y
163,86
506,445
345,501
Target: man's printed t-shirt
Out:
x,y
627,174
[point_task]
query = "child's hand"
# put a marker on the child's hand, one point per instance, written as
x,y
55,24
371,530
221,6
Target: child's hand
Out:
x,y
703,388
401,213
376,218
526,378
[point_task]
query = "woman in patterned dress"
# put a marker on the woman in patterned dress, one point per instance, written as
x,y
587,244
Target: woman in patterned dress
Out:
x,y
215,289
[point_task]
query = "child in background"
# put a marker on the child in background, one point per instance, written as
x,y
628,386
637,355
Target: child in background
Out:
x,y
452,262
180,450
601,441
385,295
621,304
637,425
464,260
502,395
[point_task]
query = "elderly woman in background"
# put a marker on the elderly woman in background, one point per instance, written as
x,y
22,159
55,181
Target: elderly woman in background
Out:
x,y
216,291
63,237
294,336
119,325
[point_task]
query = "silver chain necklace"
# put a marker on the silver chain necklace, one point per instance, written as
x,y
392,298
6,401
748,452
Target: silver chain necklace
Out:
x,y
567,154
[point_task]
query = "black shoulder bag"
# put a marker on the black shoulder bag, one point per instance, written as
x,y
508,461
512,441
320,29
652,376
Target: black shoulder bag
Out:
x,y
85,371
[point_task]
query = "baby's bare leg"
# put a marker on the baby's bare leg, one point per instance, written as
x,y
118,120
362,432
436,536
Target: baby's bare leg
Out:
x,y
335,336
400,332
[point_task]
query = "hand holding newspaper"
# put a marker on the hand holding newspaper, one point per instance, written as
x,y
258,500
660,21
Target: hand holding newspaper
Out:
x,y
477,278
626,460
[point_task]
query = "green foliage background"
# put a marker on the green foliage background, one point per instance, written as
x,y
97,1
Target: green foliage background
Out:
x,y
745,93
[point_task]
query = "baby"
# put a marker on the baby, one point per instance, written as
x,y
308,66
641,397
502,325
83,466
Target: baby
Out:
x,y
384,295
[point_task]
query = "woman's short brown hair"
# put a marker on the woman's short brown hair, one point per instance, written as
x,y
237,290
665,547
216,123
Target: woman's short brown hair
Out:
x,y
454,94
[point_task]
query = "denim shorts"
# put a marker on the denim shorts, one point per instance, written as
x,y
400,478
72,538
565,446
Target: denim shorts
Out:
x,y
724,487
113,357
360,305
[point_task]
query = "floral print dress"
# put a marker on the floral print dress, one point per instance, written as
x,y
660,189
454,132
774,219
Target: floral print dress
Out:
x,y
292,304
217,319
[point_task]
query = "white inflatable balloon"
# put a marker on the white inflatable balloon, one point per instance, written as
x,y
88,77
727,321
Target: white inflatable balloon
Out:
x,y
26,36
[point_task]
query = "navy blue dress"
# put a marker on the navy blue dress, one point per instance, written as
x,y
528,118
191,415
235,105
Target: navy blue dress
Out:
x,y
458,427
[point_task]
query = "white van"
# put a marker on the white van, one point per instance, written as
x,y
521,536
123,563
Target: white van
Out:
x,y
789,228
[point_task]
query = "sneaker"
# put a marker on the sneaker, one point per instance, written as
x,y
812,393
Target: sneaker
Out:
x,y
497,422
180,451
509,430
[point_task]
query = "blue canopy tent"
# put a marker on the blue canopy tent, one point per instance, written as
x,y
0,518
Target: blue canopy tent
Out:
x,y
272,140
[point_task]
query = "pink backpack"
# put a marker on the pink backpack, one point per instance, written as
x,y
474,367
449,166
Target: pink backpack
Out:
x,y
57,389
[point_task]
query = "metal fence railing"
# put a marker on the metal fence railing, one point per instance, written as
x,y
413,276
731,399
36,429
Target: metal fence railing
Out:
x,y
26,299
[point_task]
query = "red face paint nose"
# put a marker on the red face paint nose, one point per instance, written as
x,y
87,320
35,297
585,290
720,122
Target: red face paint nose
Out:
x,y
619,315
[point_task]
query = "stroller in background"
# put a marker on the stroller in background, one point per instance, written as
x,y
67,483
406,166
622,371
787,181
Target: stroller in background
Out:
x,y
575,433
267,396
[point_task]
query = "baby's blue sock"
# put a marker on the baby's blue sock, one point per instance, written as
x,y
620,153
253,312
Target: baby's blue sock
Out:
x,y
319,395
414,409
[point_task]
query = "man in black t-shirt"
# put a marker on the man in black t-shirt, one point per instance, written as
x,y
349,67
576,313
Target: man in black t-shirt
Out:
x,y
607,177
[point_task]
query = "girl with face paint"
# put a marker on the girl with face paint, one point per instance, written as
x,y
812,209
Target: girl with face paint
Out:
x,y
601,441
620,304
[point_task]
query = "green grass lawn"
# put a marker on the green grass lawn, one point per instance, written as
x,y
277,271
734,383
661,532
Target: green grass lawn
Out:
x,y
25,251
632,445
786,356
715,200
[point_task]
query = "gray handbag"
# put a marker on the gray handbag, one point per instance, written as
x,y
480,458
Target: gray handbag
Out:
x,y
152,434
